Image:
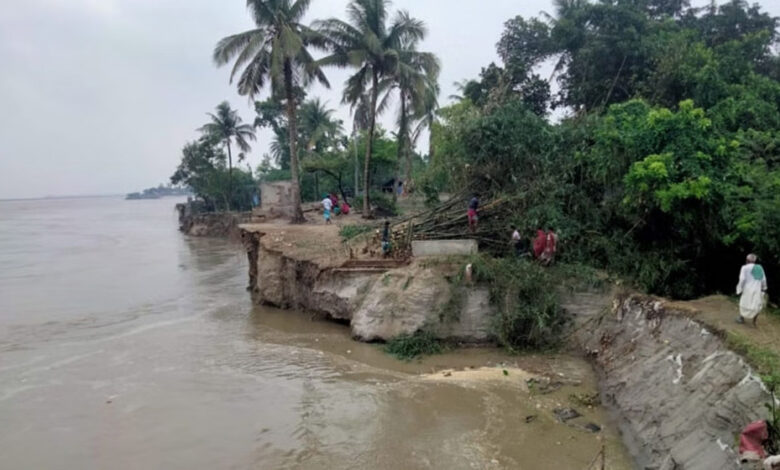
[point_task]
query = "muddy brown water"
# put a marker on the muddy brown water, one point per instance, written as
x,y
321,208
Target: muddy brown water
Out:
x,y
125,345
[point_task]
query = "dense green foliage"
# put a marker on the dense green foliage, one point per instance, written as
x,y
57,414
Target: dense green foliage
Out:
x,y
203,169
529,315
668,170
227,127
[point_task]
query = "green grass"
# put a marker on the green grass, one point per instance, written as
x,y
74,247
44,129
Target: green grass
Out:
x,y
407,347
348,232
766,361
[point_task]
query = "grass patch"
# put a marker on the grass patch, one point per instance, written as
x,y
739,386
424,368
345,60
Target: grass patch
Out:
x,y
766,361
348,232
407,347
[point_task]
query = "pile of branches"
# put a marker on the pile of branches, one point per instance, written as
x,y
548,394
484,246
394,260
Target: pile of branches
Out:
x,y
449,220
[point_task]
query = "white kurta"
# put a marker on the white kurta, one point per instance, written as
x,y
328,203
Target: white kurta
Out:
x,y
751,291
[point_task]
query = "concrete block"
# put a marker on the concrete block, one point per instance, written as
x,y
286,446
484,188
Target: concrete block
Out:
x,y
443,247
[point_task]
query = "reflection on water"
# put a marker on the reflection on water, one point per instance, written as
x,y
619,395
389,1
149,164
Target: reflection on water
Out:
x,y
126,345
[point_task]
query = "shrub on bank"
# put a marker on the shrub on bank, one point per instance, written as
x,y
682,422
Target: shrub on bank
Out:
x,y
407,347
529,315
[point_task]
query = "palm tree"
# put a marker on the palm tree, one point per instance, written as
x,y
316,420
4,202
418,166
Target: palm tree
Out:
x,y
226,125
416,81
368,44
428,117
318,131
276,51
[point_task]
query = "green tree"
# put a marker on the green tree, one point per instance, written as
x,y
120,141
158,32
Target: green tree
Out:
x,y
203,170
368,43
276,51
226,125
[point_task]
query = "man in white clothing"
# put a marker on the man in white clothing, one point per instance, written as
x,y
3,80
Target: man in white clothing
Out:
x,y
751,289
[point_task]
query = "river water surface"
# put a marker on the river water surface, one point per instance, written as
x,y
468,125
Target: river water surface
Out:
x,y
125,345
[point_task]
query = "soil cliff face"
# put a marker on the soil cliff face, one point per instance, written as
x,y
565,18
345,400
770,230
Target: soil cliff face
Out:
x,y
211,224
379,304
680,395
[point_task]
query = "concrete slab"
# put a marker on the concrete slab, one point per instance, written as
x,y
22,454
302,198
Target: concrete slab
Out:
x,y
443,247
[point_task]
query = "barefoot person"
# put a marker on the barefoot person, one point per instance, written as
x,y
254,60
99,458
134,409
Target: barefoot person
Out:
x,y
751,288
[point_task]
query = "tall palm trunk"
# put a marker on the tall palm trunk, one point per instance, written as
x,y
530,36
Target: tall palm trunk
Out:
x,y
230,175
357,168
431,145
370,141
293,132
401,148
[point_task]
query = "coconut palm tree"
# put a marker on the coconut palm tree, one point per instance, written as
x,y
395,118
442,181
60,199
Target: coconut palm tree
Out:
x,y
415,79
276,52
319,131
318,128
428,117
226,126
370,43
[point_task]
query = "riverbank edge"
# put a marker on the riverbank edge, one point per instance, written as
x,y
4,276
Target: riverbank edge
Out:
x,y
378,301
211,224
680,395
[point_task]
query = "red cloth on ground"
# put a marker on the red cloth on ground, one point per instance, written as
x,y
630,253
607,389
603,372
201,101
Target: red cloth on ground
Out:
x,y
539,243
344,208
751,439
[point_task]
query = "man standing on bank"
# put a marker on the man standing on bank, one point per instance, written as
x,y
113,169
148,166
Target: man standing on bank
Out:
x,y
751,289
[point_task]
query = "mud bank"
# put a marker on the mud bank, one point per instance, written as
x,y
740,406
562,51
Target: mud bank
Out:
x,y
211,224
680,396
378,299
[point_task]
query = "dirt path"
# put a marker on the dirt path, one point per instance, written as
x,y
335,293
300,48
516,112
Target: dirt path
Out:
x,y
720,312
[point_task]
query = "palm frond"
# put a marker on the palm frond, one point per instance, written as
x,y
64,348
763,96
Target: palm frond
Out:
x,y
228,47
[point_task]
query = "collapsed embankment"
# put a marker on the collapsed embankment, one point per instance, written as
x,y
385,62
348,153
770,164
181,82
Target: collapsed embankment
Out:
x,y
379,299
680,395
211,224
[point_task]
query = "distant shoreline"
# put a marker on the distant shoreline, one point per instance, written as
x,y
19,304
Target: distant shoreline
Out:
x,y
90,196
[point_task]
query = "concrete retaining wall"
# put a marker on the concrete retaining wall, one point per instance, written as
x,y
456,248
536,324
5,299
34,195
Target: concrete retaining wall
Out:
x,y
443,247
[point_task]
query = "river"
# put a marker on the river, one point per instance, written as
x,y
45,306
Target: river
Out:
x,y
125,345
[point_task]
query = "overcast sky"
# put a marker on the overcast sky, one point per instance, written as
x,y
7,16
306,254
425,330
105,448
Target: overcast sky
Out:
x,y
98,96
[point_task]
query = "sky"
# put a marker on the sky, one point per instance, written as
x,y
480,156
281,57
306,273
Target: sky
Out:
x,y
99,96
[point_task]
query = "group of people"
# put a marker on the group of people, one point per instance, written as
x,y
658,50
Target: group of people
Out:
x,y
331,206
545,245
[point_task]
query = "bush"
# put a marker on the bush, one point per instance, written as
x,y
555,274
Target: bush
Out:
x,y
384,204
407,347
529,315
